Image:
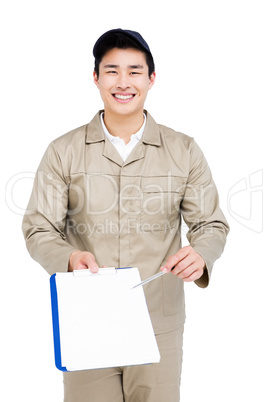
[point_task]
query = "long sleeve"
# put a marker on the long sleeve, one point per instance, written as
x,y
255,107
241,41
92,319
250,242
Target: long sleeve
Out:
x,y
207,225
45,218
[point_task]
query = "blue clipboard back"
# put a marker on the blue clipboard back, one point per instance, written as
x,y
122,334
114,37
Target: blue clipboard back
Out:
x,y
55,323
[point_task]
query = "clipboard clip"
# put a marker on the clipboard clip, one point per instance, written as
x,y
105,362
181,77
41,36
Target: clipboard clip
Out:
x,y
86,272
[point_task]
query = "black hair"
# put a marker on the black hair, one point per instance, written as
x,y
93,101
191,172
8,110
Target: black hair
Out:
x,y
120,41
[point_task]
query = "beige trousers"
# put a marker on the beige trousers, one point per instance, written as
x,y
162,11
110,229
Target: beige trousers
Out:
x,y
158,382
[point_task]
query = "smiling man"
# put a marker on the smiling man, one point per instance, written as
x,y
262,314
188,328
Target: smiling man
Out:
x,y
113,193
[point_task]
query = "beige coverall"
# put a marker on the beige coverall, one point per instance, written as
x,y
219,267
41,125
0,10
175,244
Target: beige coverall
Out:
x,y
127,214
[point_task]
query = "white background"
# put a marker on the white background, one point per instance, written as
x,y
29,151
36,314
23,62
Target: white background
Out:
x,y
211,64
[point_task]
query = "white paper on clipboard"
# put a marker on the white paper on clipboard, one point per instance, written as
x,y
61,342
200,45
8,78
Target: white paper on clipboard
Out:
x,y
99,321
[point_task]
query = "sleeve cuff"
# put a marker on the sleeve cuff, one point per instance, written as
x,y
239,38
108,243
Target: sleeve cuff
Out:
x,y
203,281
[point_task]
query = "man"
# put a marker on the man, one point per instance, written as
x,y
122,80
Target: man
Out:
x,y
112,193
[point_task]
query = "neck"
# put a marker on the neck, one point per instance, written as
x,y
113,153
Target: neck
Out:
x,y
123,126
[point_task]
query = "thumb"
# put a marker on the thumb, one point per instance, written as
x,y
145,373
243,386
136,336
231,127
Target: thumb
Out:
x,y
91,263
83,260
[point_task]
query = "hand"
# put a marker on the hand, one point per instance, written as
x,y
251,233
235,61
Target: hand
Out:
x,y
82,260
188,265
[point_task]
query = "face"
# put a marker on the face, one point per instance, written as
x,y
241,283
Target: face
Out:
x,y
123,81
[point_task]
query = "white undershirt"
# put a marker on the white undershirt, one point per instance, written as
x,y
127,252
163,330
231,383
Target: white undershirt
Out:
x,y
124,149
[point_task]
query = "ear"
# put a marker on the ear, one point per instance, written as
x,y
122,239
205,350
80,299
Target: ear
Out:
x,y
152,80
95,78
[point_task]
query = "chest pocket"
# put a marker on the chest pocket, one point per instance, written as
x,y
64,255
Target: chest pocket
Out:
x,y
162,196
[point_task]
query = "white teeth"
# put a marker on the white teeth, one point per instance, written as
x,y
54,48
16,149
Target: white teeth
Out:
x,y
123,96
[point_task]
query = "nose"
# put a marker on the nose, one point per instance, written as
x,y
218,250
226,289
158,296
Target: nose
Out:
x,y
123,82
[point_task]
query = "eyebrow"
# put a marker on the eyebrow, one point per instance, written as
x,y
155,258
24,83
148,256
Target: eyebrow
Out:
x,y
132,66
111,66
138,66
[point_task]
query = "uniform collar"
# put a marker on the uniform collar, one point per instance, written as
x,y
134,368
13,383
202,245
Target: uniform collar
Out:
x,y
151,135
112,138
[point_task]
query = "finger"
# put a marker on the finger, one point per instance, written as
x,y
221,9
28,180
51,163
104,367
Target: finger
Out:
x,y
173,260
190,271
194,276
86,260
185,266
91,264
193,264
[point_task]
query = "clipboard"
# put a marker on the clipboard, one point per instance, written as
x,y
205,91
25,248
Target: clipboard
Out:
x,y
99,321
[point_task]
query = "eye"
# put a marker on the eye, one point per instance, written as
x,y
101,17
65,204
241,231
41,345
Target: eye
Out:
x,y
134,73
111,72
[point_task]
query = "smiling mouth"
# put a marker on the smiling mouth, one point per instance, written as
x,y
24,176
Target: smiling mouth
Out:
x,y
123,98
